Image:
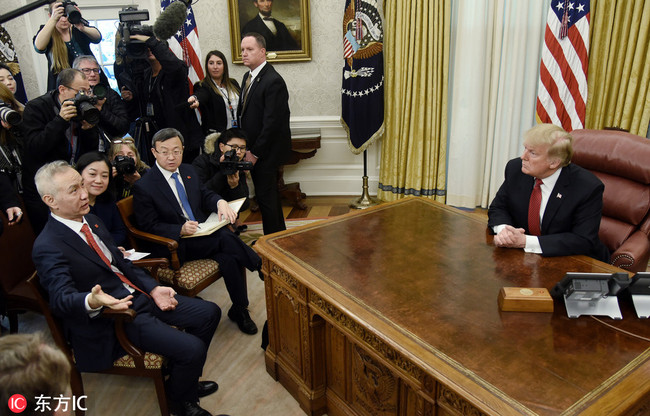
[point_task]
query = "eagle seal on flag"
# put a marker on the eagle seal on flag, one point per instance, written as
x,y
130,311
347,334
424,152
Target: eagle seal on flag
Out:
x,y
362,91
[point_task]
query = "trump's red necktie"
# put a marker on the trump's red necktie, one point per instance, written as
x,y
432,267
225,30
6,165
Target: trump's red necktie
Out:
x,y
533,208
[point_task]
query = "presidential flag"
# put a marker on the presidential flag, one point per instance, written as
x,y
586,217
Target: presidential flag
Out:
x,y
362,91
9,57
185,45
562,92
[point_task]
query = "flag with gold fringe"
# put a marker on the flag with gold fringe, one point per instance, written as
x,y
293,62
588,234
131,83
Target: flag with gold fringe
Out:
x,y
362,90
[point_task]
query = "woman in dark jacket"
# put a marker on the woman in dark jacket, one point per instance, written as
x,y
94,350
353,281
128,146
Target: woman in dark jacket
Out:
x,y
95,170
217,95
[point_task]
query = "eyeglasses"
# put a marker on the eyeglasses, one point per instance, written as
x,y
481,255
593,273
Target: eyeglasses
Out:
x,y
165,153
236,148
90,70
126,140
86,92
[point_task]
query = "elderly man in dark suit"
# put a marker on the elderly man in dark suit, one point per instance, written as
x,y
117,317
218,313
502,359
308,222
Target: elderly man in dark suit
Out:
x,y
264,115
171,201
548,205
275,33
84,271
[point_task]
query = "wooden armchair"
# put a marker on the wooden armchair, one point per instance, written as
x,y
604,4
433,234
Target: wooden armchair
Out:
x,y
187,279
622,162
135,363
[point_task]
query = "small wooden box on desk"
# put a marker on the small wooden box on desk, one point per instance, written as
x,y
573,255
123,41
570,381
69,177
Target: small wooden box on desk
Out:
x,y
523,299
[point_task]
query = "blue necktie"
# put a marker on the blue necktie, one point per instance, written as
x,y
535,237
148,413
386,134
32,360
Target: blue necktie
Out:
x,y
183,196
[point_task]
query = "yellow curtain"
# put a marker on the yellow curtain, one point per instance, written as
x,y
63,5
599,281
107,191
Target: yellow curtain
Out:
x,y
619,66
414,149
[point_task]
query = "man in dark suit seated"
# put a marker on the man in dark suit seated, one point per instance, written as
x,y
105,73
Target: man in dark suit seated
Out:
x,y
83,272
171,201
275,32
548,205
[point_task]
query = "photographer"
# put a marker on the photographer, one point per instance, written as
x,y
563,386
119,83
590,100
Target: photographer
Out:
x,y
11,112
160,96
56,128
114,120
213,167
127,166
62,40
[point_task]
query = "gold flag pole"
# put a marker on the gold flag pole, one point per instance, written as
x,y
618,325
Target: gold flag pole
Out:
x,y
365,201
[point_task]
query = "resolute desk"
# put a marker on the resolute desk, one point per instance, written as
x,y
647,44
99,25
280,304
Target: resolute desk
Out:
x,y
393,311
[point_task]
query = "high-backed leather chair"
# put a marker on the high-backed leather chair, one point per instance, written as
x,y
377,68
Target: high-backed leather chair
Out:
x,y
622,162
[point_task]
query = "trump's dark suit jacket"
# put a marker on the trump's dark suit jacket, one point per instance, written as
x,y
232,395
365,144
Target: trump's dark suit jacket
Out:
x,y
282,41
265,118
572,215
69,268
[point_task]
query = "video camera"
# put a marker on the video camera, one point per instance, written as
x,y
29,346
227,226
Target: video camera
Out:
x,y
9,115
231,163
124,165
131,24
86,109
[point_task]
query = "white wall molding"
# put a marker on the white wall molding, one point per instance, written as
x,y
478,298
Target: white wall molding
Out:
x,y
334,170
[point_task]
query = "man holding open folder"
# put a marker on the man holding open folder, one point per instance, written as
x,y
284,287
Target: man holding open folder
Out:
x,y
171,201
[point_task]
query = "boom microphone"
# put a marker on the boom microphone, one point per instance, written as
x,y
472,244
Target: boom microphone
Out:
x,y
170,20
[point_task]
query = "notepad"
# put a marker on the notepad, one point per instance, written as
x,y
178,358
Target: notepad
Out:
x,y
213,223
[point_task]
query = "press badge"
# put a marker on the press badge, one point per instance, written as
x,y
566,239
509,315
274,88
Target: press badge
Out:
x,y
150,112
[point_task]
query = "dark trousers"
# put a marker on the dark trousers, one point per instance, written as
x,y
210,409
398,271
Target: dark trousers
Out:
x,y
231,253
268,198
186,350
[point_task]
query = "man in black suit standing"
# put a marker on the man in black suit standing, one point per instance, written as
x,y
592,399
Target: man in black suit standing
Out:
x,y
171,201
275,33
83,271
264,115
547,205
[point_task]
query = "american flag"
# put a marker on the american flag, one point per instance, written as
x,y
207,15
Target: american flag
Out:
x,y
185,45
562,92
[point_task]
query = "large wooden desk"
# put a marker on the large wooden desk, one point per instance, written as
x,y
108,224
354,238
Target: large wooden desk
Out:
x,y
393,311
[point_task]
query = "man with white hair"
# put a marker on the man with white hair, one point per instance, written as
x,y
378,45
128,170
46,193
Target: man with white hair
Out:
x,y
83,271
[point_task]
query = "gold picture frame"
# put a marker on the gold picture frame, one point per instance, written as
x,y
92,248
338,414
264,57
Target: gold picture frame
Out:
x,y
292,41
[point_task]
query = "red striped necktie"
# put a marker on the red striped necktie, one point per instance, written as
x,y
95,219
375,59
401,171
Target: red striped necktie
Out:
x,y
91,241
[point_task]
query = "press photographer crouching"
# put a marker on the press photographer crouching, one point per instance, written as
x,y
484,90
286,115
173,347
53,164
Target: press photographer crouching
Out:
x,y
221,167
57,126
127,166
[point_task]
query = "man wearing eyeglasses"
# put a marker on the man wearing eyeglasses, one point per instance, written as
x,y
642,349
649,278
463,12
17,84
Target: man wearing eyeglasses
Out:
x,y
114,120
217,175
53,130
171,201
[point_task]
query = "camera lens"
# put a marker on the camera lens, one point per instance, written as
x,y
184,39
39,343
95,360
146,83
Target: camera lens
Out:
x,y
88,112
10,116
74,15
99,91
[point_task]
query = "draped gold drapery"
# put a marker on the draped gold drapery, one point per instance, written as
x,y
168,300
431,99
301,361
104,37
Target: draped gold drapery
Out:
x,y
619,66
414,149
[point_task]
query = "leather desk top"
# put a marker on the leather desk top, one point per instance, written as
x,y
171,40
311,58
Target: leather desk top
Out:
x,y
427,277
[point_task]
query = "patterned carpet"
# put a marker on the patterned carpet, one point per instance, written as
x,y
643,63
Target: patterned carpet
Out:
x,y
254,230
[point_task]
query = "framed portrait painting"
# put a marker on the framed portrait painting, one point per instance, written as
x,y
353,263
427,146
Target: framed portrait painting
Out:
x,y
284,24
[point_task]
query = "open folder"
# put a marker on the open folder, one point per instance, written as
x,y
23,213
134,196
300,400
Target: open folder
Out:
x,y
213,223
